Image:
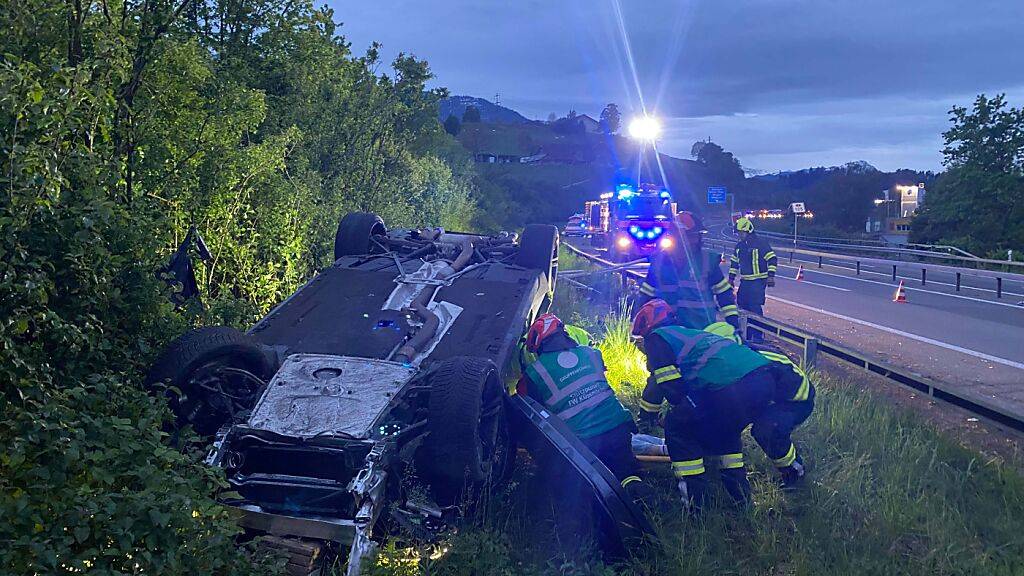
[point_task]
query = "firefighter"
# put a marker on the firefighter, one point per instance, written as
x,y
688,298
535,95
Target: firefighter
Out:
x,y
715,387
689,279
755,263
568,378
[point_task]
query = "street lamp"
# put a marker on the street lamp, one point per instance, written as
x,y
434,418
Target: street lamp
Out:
x,y
645,128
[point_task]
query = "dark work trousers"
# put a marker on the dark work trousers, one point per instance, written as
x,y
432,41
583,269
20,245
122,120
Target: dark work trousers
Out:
x,y
714,427
773,429
615,449
750,297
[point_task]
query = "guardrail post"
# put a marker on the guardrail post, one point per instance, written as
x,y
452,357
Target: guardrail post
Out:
x,y
810,352
999,287
743,327
819,261
790,256
858,267
893,272
924,275
957,281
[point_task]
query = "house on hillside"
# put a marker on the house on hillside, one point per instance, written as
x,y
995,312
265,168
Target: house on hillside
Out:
x,y
590,126
489,158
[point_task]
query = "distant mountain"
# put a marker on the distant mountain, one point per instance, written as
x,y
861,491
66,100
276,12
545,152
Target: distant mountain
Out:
x,y
858,167
489,111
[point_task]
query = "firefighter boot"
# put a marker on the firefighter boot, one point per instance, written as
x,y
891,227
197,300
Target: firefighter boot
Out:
x,y
737,485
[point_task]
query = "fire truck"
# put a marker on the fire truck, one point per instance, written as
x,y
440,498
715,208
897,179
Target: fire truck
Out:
x,y
631,223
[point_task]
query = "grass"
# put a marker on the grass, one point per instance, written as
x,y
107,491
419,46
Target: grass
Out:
x,y
887,493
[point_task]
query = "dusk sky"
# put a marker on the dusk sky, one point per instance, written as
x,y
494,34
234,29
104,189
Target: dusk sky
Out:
x,y
783,84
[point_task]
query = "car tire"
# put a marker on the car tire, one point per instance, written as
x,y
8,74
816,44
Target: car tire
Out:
x,y
465,419
355,234
192,354
538,250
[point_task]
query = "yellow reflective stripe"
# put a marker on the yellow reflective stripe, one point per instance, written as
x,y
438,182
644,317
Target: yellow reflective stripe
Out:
x,y
788,459
769,255
727,461
735,259
730,310
666,374
629,480
688,468
773,268
755,262
647,289
754,276
722,286
803,391
649,406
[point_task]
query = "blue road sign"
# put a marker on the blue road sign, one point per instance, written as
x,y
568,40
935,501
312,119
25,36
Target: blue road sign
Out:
x,y
716,194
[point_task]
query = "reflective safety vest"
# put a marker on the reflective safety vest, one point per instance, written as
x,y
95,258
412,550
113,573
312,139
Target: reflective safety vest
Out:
x,y
791,392
572,385
706,361
690,287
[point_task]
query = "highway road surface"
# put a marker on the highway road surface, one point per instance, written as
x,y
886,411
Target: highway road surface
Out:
x,y
970,339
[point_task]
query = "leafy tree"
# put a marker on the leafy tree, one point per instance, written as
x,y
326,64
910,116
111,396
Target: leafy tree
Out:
x,y
472,114
611,118
723,165
125,123
452,125
978,203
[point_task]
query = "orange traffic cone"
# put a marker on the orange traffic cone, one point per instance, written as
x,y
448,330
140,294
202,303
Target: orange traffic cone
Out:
x,y
800,273
901,295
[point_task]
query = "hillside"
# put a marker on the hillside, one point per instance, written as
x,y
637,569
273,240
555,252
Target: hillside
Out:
x,y
489,111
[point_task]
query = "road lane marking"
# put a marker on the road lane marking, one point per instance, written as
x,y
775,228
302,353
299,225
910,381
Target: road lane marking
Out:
x,y
905,287
815,283
924,339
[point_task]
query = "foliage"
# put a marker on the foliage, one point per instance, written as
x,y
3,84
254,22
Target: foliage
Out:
x,y
123,124
978,203
452,125
611,118
472,114
716,159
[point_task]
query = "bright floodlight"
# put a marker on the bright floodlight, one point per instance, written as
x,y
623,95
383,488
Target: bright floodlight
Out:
x,y
645,128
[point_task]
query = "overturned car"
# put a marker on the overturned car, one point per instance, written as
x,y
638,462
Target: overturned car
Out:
x,y
373,399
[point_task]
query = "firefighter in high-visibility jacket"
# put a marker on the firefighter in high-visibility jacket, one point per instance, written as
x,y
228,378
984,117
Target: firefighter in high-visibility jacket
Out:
x,y
689,279
716,387
755,263
568,379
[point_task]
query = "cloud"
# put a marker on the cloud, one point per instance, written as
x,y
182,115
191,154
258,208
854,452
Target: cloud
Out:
x,y
775,81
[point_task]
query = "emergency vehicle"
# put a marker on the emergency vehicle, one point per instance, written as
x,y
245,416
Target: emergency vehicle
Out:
x,y
631,223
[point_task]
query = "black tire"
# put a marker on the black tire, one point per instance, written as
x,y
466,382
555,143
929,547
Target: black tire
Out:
x,y
465,422
193,354
538,250
355,233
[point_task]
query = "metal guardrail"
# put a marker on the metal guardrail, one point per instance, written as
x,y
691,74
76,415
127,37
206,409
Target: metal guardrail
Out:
x,y
957,271
898,252
811,345
854,243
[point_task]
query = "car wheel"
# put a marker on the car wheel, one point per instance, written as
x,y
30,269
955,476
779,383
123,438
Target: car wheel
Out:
x,y
468,435
538,250
355,234
208,395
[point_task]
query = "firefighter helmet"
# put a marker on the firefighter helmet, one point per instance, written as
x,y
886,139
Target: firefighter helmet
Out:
x,y
744,225
545,326
650,316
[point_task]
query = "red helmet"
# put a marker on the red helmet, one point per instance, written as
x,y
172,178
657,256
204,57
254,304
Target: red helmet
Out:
x,y
543,327
689,223
650,316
